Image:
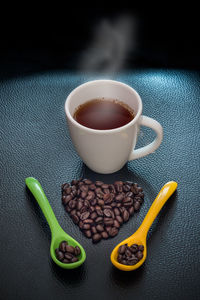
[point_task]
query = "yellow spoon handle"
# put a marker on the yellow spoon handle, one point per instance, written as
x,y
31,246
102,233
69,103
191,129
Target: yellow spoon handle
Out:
x,y
162,197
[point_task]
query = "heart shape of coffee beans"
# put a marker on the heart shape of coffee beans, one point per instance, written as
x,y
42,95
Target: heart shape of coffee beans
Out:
x,y
100,209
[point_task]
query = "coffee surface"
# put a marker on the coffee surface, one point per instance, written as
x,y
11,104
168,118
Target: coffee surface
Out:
x,y
103,114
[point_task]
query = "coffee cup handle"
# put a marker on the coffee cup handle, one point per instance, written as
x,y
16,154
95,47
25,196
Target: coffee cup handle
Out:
x,y
143,151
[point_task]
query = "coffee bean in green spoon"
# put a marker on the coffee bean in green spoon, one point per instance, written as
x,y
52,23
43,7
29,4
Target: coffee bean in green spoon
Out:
x,y
58,235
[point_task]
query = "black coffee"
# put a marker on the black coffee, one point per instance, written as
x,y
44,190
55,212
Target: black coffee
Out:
x,y
103,114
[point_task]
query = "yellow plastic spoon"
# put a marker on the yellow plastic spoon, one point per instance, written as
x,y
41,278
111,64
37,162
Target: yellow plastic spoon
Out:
x,y
139,237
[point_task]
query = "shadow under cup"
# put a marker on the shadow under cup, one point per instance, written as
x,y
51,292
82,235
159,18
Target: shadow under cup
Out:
x,y
103,151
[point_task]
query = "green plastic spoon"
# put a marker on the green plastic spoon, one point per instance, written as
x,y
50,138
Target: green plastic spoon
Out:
x,y
57,233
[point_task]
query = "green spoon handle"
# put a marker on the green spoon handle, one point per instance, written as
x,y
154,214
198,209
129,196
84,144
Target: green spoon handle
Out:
x,y
37,191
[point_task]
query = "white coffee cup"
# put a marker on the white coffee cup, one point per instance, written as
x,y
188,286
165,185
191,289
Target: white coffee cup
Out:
x,y
107,151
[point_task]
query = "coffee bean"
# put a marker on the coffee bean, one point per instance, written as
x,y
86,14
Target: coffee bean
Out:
x,y
131,210
68,190
136,206
134,248
108,221
106,191
73,193
74,259
62,246
119,258
128,252
79,205
91,209
86,226
106,197
69,249
92,187
116,224
140,194
127,199
100,195
66,199
84,209
99,228
112,188
109,200
68,209
120,183
73,212
139,255
77,251
119,219
133,261
100,202
121,249
141,248
119,197
86,203
88,221
105,186
129,194
84,215
128,204
68,256
66,261
75,219
99,183
74,182
83,194
104,235
97,207
125,216
99,212
88,233
119,188
107,228
99,220
126,188
89,198
93,229
64,186
80,224
116,211
122,209
108,213
113,231
124,262
87,181
93,215
96,238
107,207
59,255
72,204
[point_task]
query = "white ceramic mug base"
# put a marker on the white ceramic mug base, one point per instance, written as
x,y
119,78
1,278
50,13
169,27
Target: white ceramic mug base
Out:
x,y
107,151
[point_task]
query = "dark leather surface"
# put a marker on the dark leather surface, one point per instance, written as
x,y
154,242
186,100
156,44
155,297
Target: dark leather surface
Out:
x,y
34,141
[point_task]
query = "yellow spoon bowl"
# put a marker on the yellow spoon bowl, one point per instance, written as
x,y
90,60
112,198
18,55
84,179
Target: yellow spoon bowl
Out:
x,y
140,236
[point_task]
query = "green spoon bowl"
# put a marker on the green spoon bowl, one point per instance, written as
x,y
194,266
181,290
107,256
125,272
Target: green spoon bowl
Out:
x,y
57,233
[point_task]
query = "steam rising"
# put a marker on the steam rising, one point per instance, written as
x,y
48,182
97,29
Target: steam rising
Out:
x,y
110,46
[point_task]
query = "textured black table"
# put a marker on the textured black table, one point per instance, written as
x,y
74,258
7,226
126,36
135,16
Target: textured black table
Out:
x,y
34,141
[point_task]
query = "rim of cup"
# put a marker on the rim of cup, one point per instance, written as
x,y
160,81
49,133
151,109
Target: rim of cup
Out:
x,y
91,82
